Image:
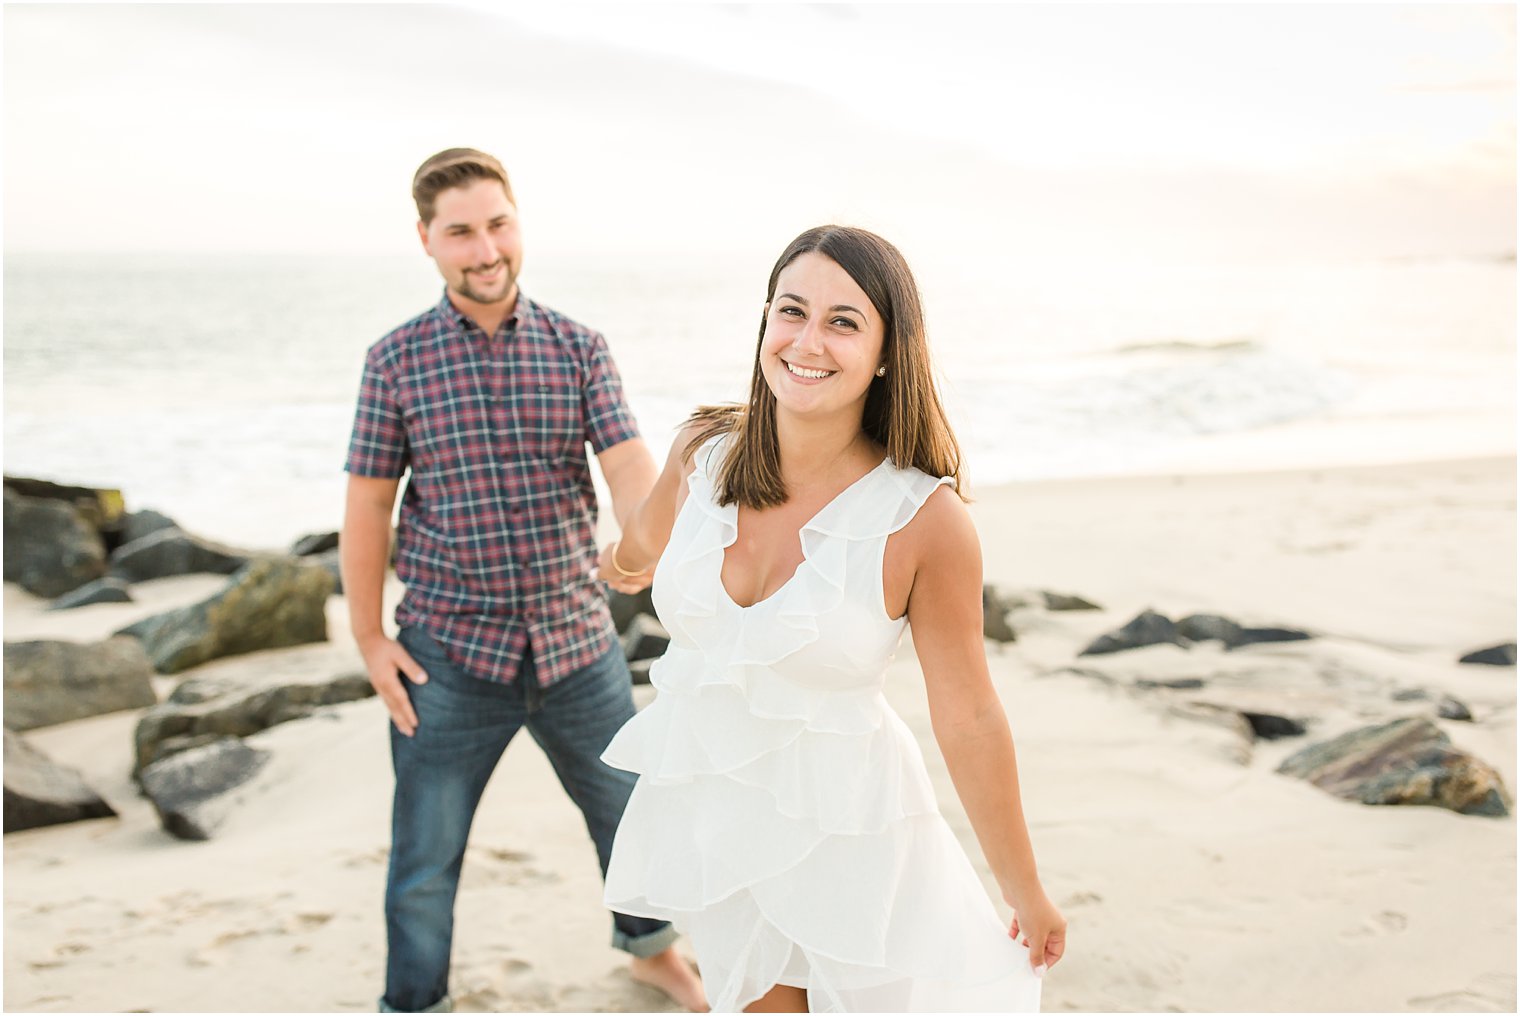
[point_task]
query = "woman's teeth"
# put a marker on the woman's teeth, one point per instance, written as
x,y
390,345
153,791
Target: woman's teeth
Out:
x,y
814,375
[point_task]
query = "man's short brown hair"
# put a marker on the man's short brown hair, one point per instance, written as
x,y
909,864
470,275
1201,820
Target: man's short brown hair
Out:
x,y
453,167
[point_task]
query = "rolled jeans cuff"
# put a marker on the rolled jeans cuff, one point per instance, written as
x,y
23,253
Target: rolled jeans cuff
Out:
x,y
645,946
444,1004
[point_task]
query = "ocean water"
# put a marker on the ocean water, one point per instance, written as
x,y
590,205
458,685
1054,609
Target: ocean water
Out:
x,y
219,389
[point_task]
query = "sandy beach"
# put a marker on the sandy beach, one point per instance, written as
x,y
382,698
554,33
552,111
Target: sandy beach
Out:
x,y
1192,881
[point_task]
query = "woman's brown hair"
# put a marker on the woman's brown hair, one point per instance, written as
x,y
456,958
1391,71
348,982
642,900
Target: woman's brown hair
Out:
x,y
903,411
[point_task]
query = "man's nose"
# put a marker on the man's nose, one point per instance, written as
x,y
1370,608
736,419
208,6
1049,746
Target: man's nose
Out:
x,y
486,252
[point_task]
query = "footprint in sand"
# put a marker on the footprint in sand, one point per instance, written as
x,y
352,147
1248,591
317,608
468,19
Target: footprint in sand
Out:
x,y
62,953
489,866
365,858
500,854
480,997
489,956
1461,1001
215,952
222,948
309,920
1388,922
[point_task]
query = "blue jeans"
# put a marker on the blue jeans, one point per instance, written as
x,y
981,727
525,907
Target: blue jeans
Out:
x,y
463,725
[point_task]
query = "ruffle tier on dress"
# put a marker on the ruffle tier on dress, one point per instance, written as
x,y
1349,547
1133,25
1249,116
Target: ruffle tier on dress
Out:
x,y
783,818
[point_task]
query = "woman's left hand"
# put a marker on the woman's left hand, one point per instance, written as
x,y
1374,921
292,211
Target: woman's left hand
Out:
x,y
1039,925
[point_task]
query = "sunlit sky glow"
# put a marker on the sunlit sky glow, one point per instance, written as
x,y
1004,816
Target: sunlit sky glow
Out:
x,y
1277,86
1358,129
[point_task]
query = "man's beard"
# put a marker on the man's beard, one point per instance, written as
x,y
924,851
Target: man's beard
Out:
x,y
471,292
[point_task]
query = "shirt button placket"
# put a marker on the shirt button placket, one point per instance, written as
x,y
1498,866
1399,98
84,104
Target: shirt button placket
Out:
x,y
499,413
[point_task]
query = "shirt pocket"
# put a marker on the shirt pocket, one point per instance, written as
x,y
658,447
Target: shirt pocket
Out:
x,y
550,415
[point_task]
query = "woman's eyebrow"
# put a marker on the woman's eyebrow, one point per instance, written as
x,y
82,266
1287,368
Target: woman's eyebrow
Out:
x,y
803,300
836,307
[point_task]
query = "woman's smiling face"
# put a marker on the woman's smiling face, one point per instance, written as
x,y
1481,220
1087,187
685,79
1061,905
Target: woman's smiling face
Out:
x,y
823,338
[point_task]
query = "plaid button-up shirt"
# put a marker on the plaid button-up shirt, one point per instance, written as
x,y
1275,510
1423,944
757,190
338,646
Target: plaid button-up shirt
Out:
x,y
497,541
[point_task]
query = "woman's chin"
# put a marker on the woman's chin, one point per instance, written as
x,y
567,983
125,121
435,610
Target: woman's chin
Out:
x,y
812,399
818,409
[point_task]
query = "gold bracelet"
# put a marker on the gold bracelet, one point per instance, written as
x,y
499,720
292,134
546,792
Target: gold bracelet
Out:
x,y
617,567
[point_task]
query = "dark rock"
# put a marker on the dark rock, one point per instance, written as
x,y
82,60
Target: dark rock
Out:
x,y
102,508
640,670
995,608
1250,636
314,543
1406,761
1204,627
645,639
1185,683
1452,709
1066,601
49,547
1494,656
1270,726
1410,695
328,559
104,590
40,792
174,552
211,707
1148,628
191,790
49,682
625,606
269,603
136,525
174,745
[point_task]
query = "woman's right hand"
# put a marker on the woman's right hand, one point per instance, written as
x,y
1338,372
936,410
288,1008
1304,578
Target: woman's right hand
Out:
x,y
614,576
647,527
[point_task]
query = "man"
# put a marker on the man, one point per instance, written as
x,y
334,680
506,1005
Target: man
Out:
x,y
490,400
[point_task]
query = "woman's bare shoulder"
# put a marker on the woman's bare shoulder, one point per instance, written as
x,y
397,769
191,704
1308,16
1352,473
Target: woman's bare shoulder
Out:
x,y
942,534
682,458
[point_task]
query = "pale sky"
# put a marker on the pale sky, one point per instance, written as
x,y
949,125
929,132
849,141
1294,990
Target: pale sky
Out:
x,y
1358,130
1277,86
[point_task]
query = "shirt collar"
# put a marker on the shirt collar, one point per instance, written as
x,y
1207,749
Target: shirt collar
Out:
x,y
524,309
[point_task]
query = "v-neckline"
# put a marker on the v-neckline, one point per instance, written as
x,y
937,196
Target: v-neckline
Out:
x,y
723,560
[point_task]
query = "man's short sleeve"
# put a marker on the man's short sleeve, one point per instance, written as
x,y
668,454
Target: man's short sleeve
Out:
x,y
378,446
608,419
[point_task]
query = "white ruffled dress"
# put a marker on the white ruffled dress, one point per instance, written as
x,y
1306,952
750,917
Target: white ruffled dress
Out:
x,y
783,819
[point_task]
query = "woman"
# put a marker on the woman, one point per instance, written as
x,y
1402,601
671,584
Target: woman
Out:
x,y
783,817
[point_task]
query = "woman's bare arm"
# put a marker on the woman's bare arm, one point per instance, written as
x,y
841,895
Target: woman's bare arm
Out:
x,y
646,530
945,612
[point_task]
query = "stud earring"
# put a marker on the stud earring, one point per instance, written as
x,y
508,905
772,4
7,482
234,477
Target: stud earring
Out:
x,y
881,371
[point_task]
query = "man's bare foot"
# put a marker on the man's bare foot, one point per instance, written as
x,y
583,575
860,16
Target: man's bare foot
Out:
x,y
669,972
